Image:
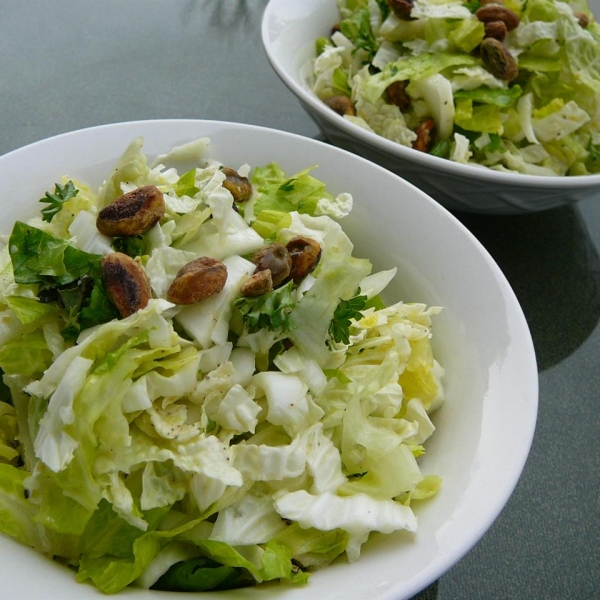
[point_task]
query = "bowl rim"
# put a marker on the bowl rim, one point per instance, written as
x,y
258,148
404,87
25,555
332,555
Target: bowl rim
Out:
x,y
399,151
531,386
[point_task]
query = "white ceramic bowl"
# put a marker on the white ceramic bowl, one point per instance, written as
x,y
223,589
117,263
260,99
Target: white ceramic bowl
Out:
x,y
484,430
289,31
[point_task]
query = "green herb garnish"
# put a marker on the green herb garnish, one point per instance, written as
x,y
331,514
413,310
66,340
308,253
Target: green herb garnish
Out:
x,y
55,201
133,246
346,310
269,311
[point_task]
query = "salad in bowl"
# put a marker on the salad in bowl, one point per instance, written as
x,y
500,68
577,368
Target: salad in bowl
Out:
x,y
206,389
174,417
511,86
501,165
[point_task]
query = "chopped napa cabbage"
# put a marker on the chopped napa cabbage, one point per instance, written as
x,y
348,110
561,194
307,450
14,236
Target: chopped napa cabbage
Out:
x,y
560,123
376,114
193,151
358,515
8,432
461,151
199,320
289,404
437,91
237,411
252,520
86,236
132,167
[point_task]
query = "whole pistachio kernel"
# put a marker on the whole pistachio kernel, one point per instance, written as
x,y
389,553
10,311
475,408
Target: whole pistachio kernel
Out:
x,y
496,30
276,259
496,12
197,280
240,187
395,93
342,105
306,254
583,19
133,213
498,60
425,136
402,8
258,284
126,282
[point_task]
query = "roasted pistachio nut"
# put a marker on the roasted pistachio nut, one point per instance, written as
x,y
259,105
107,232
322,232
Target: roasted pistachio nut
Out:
x,y
133,213
498,59
240,187
199,279
496,30
260,283
276,259
425,136
395,93
126,283
342,105
306,254
496,12
584,20
402,8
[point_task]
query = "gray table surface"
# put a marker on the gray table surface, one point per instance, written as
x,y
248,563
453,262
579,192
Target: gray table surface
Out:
x,y
69,64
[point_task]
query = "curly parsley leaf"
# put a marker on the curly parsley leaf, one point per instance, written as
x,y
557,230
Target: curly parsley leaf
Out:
x,y
269,311
346,310
133,246
55,201
357,28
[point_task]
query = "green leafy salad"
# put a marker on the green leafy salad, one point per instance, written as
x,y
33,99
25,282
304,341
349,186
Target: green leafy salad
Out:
x,y
214,398
512,85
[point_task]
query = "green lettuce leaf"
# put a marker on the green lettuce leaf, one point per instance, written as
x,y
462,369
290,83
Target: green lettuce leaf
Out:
x,y
268,223
31,311
66,274
8,432
107,533
277,192
415,68
186,185
313,547
17,517
201,575
39,257
26,356
497,97
110,574
276,562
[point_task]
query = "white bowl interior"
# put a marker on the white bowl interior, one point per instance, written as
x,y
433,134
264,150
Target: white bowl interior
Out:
x,y
485,428
289,31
